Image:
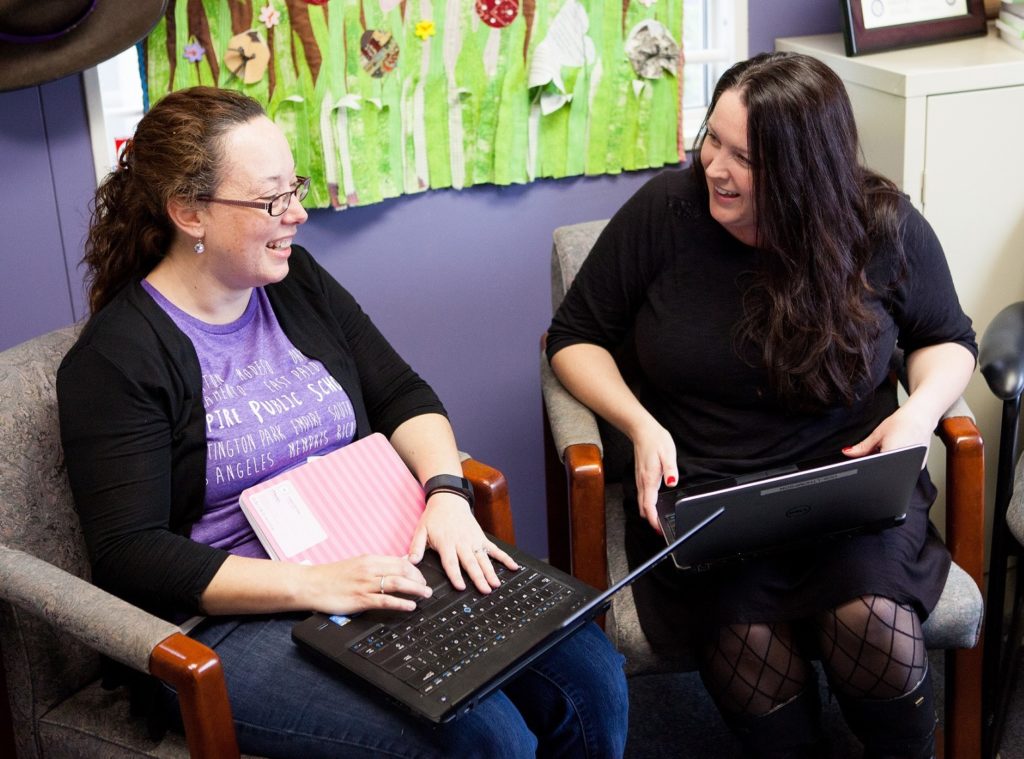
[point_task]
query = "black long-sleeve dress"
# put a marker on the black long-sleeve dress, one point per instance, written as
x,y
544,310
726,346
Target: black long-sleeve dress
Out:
x,y
669,278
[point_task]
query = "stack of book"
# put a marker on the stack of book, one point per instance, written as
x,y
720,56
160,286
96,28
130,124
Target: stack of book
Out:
x,y
1011,22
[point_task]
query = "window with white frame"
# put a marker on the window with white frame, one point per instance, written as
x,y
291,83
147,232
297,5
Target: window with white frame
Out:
x,y
714,37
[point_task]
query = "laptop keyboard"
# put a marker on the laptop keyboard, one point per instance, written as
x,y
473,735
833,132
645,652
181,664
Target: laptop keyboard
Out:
x,y
452,629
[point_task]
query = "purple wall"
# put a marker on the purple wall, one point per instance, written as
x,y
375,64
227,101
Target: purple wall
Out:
x,y
768,19
48,180
459,281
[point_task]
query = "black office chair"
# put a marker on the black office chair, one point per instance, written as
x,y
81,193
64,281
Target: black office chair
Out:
x,y
1002,363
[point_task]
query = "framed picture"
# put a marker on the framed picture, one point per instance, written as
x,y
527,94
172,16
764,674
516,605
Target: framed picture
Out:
x,y
870,26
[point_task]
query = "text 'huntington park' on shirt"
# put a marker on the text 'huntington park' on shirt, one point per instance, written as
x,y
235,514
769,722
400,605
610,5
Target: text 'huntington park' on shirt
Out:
x,y
268,408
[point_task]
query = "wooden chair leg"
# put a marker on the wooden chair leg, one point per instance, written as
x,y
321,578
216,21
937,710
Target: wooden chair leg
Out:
x,y
195,672
962,724
555,488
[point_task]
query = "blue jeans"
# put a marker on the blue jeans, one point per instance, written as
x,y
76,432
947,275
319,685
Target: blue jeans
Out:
x,y
571,702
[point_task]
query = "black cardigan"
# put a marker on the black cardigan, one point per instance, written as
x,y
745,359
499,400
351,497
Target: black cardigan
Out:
x,y
133,426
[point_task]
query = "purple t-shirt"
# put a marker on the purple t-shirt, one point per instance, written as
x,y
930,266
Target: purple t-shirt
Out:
x,y
268,408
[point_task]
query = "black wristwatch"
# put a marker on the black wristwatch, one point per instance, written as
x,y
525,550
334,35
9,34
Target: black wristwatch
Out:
x,y
449,483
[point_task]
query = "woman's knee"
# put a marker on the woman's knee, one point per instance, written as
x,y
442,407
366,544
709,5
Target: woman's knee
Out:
x,y
598,668
575,697
494,728
872,647
753,668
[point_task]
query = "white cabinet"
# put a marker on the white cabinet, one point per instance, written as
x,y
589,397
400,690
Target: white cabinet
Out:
x,y
946,123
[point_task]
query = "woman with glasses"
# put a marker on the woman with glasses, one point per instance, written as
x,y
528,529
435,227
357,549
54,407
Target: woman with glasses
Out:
x,y
218,354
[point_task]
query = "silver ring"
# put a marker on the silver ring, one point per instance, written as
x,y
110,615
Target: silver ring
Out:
x,y
382,584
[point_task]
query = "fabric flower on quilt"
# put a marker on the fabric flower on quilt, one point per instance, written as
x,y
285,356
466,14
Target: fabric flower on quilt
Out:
x,y
497,13
566,45
651,50
194,52
379,52
425,29
270,16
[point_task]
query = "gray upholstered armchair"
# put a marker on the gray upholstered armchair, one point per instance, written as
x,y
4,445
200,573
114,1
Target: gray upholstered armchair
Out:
x,y
54,623
586,526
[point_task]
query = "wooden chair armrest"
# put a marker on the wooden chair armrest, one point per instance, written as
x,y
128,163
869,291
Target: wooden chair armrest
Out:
x,y
195,672
584,471
965,494
572,444
131,636
490,490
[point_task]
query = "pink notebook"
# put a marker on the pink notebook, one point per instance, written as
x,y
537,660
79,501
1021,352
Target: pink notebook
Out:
x,y
356,500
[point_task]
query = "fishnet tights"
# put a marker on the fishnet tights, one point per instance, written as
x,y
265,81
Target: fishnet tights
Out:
x,y
753,668
872,648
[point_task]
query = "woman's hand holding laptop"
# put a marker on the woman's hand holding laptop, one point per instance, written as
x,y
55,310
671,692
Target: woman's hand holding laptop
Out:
x,y
654,455
936,375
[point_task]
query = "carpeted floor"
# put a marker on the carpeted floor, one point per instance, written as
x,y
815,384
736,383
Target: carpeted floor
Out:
x,y
693,728
1012,744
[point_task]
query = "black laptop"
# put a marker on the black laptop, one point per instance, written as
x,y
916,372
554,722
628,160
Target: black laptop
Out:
x,y
459,646
775,510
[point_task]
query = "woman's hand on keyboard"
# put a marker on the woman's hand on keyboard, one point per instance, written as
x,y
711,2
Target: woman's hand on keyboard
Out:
x,y
368,582
449,528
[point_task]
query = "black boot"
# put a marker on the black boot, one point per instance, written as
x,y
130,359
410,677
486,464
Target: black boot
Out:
x,y
790,731
895,728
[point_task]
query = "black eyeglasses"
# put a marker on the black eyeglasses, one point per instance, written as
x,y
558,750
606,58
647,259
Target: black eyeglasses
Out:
x,y
276,206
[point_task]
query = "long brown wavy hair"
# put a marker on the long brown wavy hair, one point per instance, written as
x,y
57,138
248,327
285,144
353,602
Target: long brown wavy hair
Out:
x,y
176,152
820,216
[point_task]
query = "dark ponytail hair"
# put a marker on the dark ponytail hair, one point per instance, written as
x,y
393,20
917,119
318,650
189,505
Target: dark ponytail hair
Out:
x,y
820,216
175,153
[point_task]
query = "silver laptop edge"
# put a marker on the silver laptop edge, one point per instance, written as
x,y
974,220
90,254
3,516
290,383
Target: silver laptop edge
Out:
x,y
643,569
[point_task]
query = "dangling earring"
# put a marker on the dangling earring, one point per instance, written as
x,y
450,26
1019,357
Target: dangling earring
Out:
x,y
199,248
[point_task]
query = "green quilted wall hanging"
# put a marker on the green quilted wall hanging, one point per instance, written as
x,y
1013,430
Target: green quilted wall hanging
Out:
x,y
380,98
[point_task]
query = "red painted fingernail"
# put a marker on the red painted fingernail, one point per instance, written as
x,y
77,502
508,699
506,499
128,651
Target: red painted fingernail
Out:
x,y
847,448
671,480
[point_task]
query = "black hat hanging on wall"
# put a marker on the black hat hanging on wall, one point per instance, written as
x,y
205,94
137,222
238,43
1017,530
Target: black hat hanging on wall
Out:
x,y
43,40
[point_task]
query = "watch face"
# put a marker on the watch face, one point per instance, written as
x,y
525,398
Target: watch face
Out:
x,y
247,56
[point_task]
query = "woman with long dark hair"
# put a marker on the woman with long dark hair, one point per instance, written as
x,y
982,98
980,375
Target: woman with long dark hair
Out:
x,y
759,295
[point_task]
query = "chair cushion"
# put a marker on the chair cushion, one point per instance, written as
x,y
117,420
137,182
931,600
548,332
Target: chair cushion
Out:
x,y
622,623
37,516
96,722
954,623
571,247
572,423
